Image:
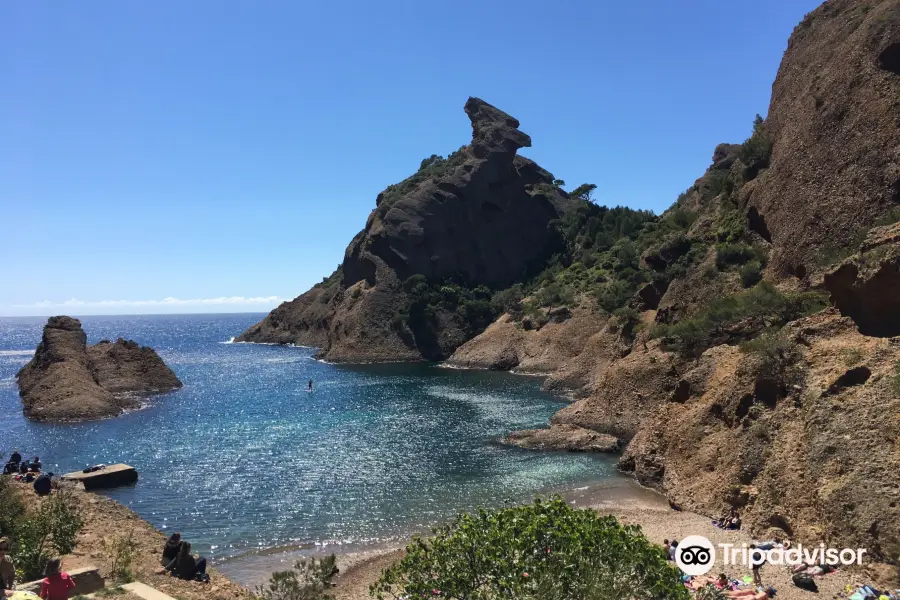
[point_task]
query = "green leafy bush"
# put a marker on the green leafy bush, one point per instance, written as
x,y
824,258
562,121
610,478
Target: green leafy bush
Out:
x,y
751,274
122,551
728,254
774,350
756,152
308,580
545,550
51,529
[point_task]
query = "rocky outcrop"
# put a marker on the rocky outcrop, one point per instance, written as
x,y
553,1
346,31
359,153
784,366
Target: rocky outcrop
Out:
x,y
67,380
568,438
816,462
511,345
480,216
833,117
866,287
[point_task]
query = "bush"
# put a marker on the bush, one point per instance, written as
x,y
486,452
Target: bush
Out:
x,y
122,551
757,150
52,529
308,580
728,254
545,550
751,274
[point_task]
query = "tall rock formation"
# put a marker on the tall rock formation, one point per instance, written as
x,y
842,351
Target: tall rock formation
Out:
x,y
67,380
480,217
800,431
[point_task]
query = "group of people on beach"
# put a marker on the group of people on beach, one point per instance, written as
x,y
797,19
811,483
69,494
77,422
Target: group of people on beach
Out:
x,y
56,585
178,561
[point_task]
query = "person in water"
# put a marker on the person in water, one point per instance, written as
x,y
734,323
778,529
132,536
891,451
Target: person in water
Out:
x,y
185,565
57,583
170,550
310,385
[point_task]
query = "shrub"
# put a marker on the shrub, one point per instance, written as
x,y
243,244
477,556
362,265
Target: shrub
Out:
x,y
728,254
751,274
757,150
122,551
546,550
53,527
307,580
614,294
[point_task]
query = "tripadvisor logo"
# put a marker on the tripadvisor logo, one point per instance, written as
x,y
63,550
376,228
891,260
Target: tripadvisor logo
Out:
x,y
696,555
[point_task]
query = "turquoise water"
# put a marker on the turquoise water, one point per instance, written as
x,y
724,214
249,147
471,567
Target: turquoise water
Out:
x,y
243,458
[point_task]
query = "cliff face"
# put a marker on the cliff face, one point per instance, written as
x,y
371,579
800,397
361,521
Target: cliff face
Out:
x,y
480,217
67,380
797,429
834,117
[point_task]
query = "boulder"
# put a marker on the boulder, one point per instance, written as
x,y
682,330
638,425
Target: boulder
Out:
x,y
67,380
569,438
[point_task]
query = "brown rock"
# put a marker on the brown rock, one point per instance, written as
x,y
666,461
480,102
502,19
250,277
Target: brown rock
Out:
x,y
481,215
563,437
70,381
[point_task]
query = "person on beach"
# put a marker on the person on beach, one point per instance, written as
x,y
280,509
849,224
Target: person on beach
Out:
x,y
7,567
171,548
43,485
673,547
56,584
187,566
666,547
752,594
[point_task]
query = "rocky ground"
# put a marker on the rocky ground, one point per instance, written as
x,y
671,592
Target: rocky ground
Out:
x,y
67,380
104,521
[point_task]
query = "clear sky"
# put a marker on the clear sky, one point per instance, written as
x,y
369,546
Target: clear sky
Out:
x,y
201,155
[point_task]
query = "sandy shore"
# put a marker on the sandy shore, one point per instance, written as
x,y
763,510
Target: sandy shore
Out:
x,y
630,504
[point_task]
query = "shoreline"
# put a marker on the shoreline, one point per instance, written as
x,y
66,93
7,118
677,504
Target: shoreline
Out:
x,y
657,520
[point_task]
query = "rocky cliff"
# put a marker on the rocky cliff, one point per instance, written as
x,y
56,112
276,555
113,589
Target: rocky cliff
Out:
x,y
758,367
742,347
67,380
478,218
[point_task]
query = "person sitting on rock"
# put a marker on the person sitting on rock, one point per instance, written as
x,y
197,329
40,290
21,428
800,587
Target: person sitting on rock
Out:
x,y
734,523
23,467
15,457
171,548
35,465
187,566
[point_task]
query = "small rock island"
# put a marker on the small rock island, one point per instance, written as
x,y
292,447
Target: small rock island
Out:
x,y
67,380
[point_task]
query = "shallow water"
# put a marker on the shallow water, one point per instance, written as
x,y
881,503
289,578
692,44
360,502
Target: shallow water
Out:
x,y
243,458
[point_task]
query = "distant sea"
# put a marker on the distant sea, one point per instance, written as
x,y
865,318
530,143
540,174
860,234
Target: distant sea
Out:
x,y
244,459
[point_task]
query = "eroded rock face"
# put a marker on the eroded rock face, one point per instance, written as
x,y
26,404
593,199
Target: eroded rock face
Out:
x,y
797,466
866,287
481,216
67,380
834,118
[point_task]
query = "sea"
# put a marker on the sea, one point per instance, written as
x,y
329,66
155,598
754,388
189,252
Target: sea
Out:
x,y
244,460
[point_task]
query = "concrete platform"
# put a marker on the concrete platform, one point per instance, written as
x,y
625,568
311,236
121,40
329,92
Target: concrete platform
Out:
x,y
107,477
145,591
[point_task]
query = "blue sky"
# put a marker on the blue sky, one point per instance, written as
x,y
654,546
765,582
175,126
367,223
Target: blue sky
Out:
x,y
210,156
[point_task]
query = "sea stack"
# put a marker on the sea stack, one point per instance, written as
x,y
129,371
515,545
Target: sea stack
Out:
x,y
67,380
